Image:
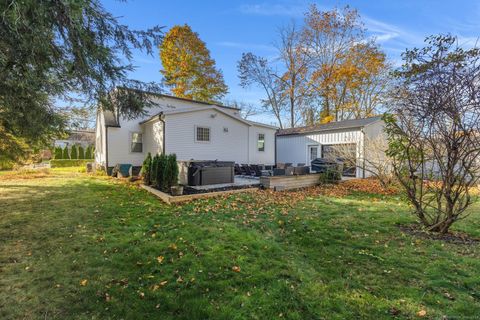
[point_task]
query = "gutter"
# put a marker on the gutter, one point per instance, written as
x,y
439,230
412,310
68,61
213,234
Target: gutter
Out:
x,y
363,154
161,118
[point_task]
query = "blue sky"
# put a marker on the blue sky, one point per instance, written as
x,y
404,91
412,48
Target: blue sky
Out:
x,y
232,27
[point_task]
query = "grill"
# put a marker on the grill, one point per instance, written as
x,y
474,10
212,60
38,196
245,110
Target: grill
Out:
x,y
322,165
202,173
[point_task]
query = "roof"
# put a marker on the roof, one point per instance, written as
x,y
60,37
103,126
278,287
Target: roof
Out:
x,y
262,124
187,110
162,95
338,125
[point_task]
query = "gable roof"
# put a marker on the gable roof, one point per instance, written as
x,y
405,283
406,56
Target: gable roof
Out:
x,y
339,125
188,110
162,95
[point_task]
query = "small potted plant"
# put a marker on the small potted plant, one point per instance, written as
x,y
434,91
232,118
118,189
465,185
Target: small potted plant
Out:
x,y
176,190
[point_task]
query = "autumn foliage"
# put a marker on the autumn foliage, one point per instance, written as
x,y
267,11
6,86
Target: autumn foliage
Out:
x,y
188,69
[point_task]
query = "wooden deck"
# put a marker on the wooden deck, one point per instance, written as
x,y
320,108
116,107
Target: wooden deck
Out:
x,y
290,182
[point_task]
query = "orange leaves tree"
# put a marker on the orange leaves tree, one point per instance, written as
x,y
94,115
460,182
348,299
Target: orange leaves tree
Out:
x,y
349,73
188,69
326,70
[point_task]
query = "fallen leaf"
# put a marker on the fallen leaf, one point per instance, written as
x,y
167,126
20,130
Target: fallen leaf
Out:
x,y
236,269
173,246
84,282
422,313
142,295
160,259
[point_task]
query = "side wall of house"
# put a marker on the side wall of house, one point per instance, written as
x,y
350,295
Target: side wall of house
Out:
x,y
100,143
153,137
266,157
119,144
228,137
375,145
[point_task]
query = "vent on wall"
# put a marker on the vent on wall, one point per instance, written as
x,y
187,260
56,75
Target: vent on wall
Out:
x,y
225,129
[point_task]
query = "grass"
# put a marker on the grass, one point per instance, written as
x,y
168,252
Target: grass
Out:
x,y
88,247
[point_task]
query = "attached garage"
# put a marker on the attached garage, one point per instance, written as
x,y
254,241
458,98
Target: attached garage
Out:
x,y
304,144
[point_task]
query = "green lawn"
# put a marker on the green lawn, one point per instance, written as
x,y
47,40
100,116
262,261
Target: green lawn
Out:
x,y
87,247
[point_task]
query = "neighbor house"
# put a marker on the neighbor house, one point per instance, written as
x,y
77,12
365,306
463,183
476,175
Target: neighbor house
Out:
x,y
193,130
82,137
343,138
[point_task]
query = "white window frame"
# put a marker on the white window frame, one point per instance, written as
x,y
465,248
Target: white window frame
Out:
x,y
130,140
196,134
264,142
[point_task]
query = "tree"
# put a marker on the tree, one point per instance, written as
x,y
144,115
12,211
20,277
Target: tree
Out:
x,y
58,153
88,152
146,168
188,69
348,71
81,152
247,110
65,154
64,50
434,130
256,70
328,70
73,152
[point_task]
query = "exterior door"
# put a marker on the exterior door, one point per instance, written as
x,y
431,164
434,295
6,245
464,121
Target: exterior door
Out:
x,y
312,153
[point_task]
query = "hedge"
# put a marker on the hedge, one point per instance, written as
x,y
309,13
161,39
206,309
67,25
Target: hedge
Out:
x,y
61,163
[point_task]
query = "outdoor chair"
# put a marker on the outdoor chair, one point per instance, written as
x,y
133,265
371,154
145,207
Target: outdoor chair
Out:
x,y
238,169
248,170
256,170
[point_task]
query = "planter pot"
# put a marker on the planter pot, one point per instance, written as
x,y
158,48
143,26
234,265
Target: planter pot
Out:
x,y
176,190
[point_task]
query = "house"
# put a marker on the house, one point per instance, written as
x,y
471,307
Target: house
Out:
x,y
193,130
345,138
83,137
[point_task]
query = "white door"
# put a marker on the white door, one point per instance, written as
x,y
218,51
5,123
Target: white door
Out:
x,y
312,153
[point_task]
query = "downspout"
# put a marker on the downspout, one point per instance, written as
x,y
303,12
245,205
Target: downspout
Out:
x,y
161,117
363,154
275,148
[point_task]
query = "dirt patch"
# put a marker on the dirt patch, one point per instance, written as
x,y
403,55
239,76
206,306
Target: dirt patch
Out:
x,y
451,237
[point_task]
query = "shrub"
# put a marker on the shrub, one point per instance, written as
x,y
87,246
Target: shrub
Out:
x,y
153,171
58,153
74,152
146,167
65,154
331,175
61,163
81,152
88,153
171,172
161,167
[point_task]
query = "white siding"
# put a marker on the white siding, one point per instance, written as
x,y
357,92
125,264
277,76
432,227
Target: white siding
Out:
x,y
119,140
294,148
266,157
226,146
153,137
100,143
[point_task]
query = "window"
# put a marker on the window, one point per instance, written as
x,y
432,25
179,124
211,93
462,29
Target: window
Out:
x,y
136,142
261,142
313,150
202,134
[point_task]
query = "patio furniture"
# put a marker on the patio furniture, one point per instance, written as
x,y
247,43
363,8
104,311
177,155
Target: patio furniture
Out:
x,y
256,170
202,173
248,170
301,170
238,169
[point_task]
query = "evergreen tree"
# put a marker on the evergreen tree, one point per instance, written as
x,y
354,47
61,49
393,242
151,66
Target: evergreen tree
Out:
x,y
58,153
146,167
154,170
65,154
88,152
73,152
81,152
